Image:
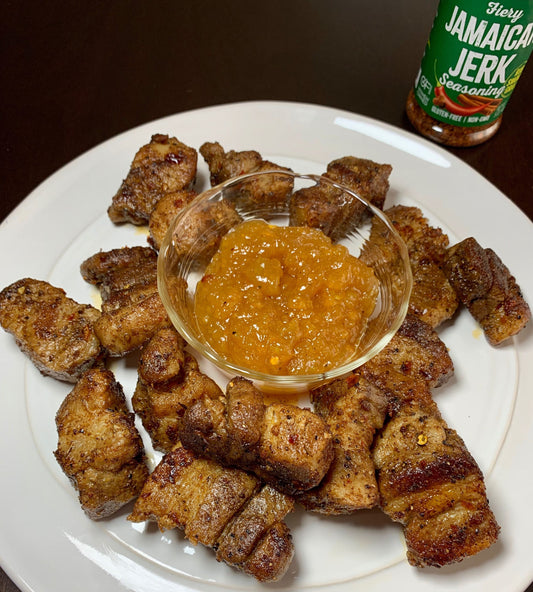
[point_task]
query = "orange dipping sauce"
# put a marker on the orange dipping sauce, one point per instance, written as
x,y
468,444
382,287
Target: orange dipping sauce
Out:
x,y
284,300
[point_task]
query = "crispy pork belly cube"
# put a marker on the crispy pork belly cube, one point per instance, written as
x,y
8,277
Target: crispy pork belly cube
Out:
x,y
200,234
99,448
432,485
432,299
162,166
415,355
169,381
365,177
54,331
164,213
225,509
487,288
354,409
287,446
226,165
128,328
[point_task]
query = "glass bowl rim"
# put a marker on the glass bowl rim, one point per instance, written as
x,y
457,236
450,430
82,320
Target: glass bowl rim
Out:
x,y
279,380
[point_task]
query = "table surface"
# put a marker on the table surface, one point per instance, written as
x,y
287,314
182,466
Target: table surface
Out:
x,y
75,74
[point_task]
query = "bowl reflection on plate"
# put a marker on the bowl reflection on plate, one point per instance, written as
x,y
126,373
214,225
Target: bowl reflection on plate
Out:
x,y
194,236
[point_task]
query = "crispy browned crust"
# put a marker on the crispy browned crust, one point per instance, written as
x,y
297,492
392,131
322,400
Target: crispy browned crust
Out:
x,y
169,381
431,484
226,165
132,311
164,213
54,331
331,210
99,448
365,177
487,288
285,445
415,355
353,409
163,165
222,508
432,298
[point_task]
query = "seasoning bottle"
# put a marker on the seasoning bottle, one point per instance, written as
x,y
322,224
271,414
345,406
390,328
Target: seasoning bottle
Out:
x,y
473,59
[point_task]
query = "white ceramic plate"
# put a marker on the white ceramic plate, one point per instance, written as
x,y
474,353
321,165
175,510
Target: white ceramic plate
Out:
x,y
46,542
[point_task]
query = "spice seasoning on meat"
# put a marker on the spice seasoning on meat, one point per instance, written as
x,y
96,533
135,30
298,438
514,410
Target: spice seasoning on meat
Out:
x,y
474,57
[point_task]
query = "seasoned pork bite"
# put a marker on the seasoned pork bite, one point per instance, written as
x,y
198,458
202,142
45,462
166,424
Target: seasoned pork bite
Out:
x,y
334,211
169,382
163,165
222,508
487,288
226,165
132,309
287,446
365,177
122,275
353,409
54,331
432,298
431,484
416,355
164,213
99,448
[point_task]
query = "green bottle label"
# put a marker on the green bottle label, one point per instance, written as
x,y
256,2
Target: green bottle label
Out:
x,y
474,57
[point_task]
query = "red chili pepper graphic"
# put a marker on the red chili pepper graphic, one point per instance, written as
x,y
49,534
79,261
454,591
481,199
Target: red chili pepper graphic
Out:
x,y
443,100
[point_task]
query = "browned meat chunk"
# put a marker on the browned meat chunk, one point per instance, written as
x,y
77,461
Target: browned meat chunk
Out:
x,y
432,298
164,213
265,194
162,166
169,381
365,177
285,445
334,211
132,309
225,509
99,448
128,328
354,409
429,482
487,288
200,233
226,165
415,354
54,331
122,275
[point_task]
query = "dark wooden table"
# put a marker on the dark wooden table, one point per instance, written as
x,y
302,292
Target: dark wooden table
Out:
x,y
76,73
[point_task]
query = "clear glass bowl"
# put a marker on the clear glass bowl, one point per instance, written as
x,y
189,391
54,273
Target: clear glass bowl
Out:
x,y
194,236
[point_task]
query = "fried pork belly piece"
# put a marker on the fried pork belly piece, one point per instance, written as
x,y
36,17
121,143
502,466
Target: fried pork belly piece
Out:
x,y
222,508
365,177
159,167
487,288
132,311
226,165
287,446
169,381
199,237
416,355
432,298
99,448
265,194
164,213
128,328
123,275
354,409
430,483
54,331
330,209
